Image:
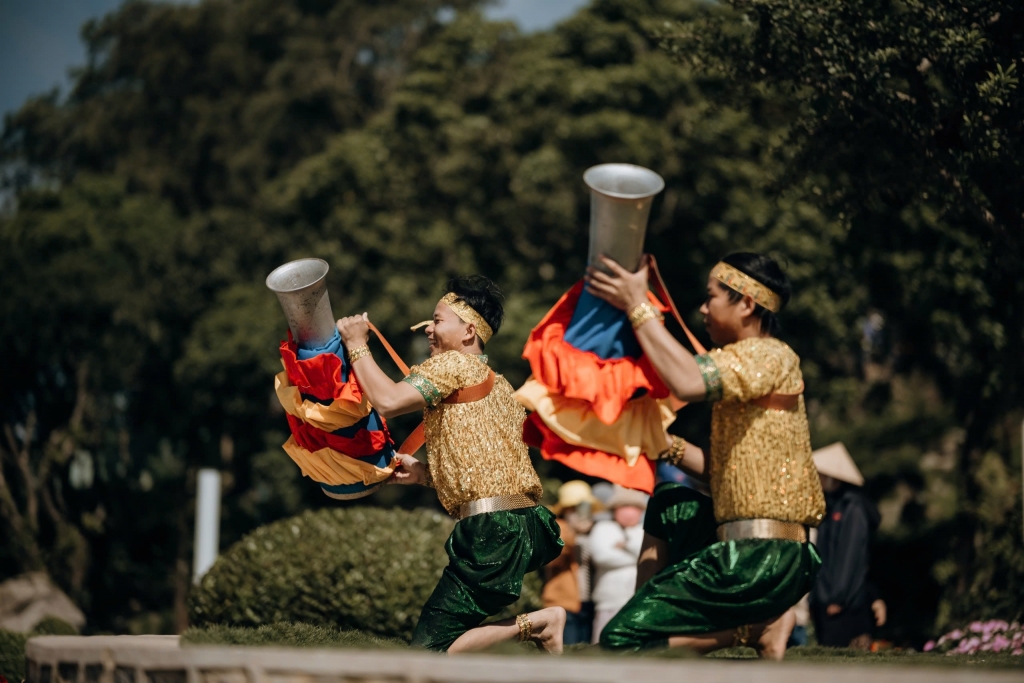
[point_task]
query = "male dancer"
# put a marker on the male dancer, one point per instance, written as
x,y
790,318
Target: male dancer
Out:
x,y
479,465
721,572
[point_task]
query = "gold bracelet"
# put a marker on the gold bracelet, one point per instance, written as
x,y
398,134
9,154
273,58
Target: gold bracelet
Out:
x,y
358,352
642,313
525,627
673,455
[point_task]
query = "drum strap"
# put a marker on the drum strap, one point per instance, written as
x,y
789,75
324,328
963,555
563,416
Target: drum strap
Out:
x,y
774,401
469,394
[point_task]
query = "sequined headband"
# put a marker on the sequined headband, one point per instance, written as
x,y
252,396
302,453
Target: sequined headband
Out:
x,y
466,314
744,284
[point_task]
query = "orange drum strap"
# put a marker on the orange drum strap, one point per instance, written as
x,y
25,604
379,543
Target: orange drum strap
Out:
x,y
662,291
774,401
779,401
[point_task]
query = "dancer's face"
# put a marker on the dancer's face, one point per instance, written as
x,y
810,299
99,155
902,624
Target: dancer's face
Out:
x,y
448,332
723,318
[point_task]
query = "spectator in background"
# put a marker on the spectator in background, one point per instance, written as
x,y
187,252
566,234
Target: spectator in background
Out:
x,y
845,606
563,580
603,491
615,549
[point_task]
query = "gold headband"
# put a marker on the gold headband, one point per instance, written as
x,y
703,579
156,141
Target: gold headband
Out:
x,y
744,284
466,314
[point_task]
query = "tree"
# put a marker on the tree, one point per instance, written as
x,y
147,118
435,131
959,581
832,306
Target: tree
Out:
x,y
202,103
907,122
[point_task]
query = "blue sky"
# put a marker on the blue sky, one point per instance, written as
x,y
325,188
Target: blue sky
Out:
x,y
39,39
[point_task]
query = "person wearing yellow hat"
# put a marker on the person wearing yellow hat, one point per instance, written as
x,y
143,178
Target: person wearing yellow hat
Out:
x,y
845,605
566,582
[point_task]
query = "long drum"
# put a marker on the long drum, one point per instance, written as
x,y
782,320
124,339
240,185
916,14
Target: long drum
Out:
x,y
620,203
301,287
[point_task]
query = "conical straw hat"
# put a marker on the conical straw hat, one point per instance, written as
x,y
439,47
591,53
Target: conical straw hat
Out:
x,y
835,461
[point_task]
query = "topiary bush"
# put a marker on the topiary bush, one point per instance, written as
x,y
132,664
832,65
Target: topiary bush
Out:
x,y
369,569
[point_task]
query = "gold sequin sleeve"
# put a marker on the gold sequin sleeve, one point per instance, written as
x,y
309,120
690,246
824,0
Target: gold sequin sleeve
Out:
x,y
437,377
749,369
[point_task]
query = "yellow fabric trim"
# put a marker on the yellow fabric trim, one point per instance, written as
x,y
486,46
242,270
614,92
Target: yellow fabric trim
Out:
x,y
328,466
327,418
467,314
739,281
640,428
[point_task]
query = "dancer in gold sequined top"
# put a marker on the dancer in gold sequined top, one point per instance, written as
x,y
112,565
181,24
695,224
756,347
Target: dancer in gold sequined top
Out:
x,y
480,468
717,574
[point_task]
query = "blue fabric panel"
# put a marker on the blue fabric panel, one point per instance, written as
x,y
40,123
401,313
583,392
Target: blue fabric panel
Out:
x,y
334,346
371,422
602,329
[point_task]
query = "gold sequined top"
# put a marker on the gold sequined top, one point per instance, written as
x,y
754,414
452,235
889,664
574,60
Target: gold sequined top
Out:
x,y
761,464
474,450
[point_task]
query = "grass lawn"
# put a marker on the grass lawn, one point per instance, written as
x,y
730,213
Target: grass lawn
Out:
x,y
308,635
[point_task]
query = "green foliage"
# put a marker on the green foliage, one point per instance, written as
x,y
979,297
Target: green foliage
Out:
x,y
367,569
12,655
287,635
201,103
12,645
52,626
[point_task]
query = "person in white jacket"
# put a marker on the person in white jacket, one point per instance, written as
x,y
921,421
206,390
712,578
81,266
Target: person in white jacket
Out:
x,y
614,549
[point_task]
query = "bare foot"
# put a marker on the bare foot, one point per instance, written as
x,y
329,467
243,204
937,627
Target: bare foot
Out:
x,y
548,625
771,643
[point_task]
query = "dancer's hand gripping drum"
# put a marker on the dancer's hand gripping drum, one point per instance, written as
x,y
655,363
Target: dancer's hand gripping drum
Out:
x,y
337,439
620,203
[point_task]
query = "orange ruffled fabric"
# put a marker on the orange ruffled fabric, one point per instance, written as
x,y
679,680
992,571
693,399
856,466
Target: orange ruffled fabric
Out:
x,y
613,468
319,376
607,385
640,429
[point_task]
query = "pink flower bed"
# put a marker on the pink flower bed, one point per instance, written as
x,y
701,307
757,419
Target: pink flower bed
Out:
x,y
981,636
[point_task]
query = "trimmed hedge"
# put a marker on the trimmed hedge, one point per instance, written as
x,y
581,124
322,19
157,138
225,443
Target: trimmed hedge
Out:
x,y
287,635
356,568
12,645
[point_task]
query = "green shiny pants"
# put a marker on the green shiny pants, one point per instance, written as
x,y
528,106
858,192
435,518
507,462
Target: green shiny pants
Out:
x,y
709,585
488,556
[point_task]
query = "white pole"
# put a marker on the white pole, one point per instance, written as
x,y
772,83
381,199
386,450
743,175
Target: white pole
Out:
x,y
207,535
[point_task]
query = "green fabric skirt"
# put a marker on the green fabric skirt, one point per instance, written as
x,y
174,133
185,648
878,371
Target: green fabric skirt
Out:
x,y
709,585
488,556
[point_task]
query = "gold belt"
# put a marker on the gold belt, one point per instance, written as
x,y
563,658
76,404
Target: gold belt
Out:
x,y
495,504
762,528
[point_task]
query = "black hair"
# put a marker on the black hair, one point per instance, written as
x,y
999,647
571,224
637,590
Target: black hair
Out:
x,y
482,295
767,271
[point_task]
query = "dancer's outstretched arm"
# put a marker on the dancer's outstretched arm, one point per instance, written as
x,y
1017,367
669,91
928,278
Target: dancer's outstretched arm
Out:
x,y
390,398
673,363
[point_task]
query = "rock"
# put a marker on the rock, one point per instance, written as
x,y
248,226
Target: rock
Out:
x,y
28,599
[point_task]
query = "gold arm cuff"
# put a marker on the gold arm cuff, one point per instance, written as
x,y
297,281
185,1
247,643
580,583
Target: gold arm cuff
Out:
x,y
643,313
762,528
358,352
